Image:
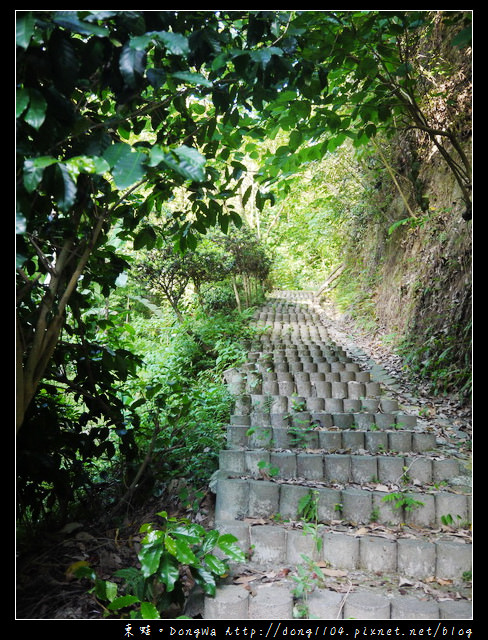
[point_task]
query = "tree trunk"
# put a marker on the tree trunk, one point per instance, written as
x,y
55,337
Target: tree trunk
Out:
x,y
236,294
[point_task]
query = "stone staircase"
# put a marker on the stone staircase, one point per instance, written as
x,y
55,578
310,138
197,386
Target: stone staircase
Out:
x,y
345,505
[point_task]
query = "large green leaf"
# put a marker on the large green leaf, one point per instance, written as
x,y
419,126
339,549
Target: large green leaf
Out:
x,y
149,611
175,43
21,101
86,164
131,65
69,20
186,161
36,113
227,543
190,533
206,580
34,169
127,165
24,30
264,55
211,538
194,79
64,188
168,571
180,550
105,589
216,565
149,557
145,238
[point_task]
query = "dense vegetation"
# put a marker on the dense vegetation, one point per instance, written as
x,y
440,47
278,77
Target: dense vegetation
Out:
x,y
172,166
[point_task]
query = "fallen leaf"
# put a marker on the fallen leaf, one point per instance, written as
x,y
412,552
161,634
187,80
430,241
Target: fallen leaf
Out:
x,y
443,582
404,582
70,527
245,580
71,570
335,573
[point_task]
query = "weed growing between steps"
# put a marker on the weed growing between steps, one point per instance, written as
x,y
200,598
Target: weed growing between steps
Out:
x,y
309,575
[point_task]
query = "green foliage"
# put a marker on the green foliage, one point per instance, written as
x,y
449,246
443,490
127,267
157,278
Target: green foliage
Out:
x,y
437,360
402,501
181,382
309,577
238,259
149,592
307,506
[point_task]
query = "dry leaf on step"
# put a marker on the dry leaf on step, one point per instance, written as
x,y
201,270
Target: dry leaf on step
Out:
x,y
334,573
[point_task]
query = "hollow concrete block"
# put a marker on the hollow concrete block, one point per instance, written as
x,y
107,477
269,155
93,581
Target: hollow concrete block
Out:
x,y
356,505
353,440
337,467
385,511
423,441
365,605
330,440
340,550
328,499
416,558
363,469
409,608
452,559
310,466
377,554
390,468
268,544
232,499
456,610
324,604
300,543
453,506
376,441
419,469
286,462
233,461
400,441
422,515
290,496
264,498
230,602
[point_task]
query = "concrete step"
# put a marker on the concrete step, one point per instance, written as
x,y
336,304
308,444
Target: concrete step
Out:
x,y
343,468
277,434
406,550
275,601
238,498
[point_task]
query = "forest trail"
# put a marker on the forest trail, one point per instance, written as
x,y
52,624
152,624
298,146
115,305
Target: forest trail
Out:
x,y
348,505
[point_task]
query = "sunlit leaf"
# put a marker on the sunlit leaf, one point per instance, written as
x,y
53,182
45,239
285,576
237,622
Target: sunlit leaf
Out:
x,y
70,20
24,30
149,611
127,165
194,79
